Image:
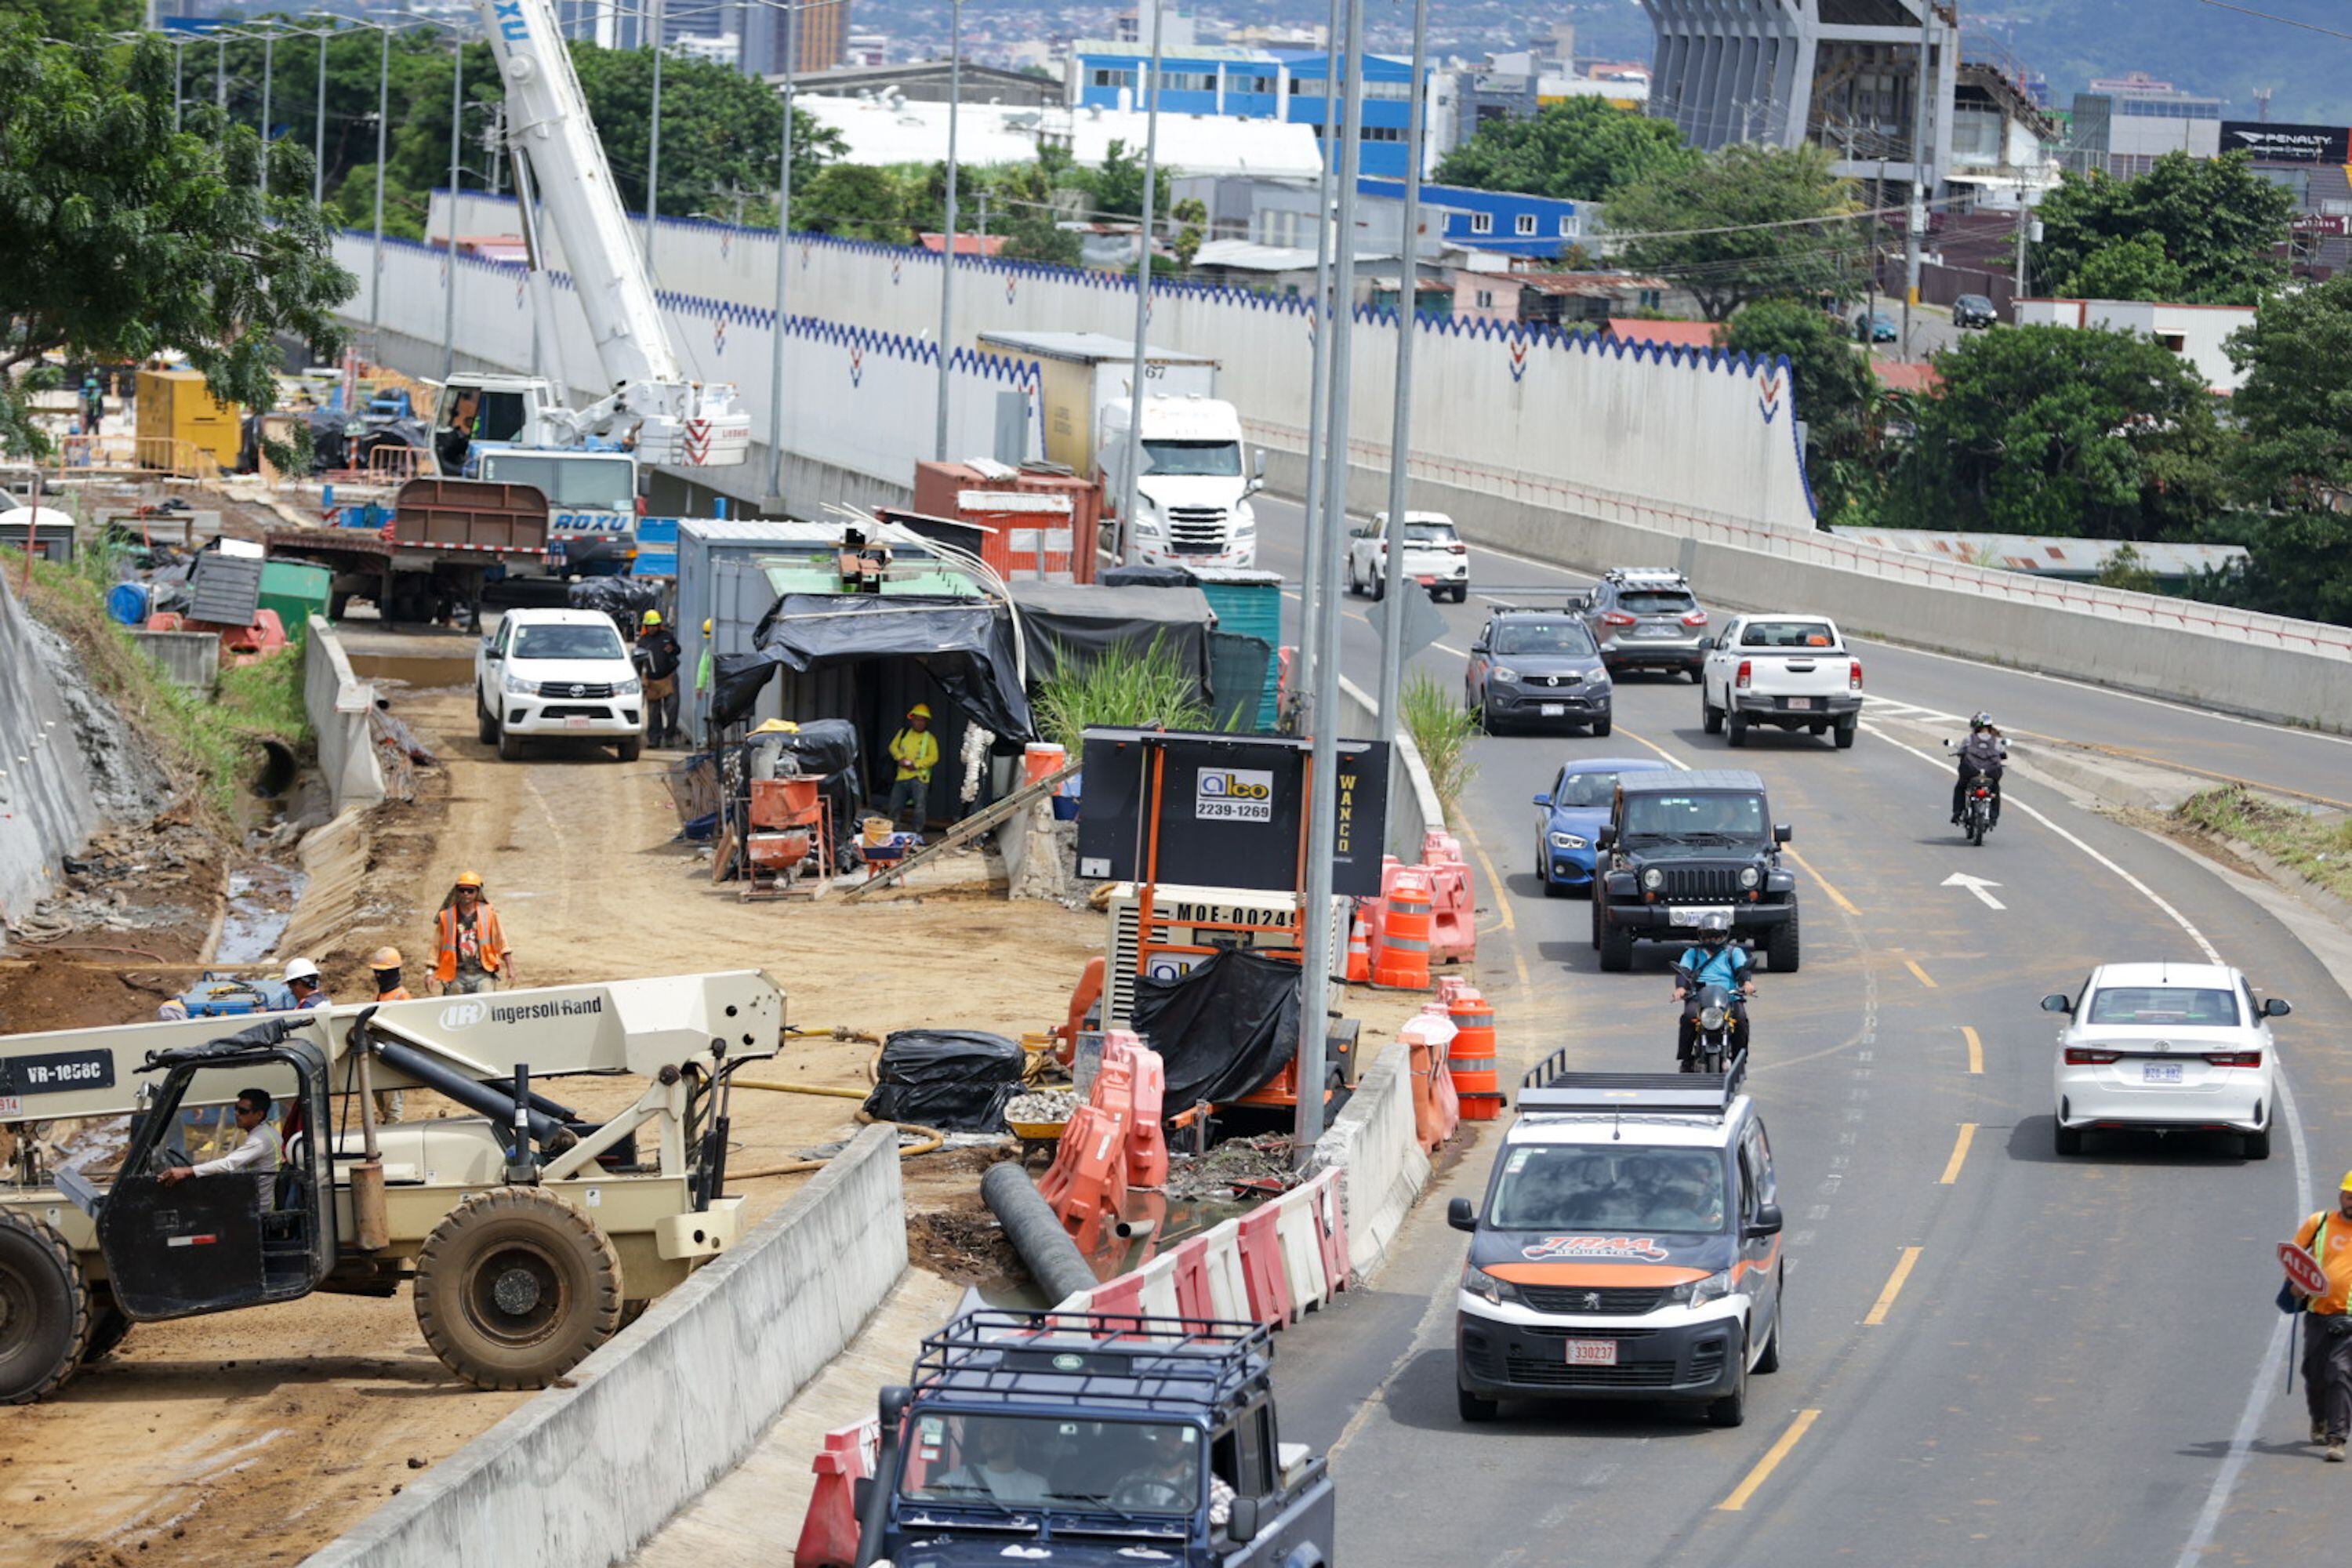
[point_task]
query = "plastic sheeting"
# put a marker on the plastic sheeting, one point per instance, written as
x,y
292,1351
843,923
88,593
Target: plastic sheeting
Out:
x,y
957,1081
964,645
1141,576
1082,621
625,599
1226,1028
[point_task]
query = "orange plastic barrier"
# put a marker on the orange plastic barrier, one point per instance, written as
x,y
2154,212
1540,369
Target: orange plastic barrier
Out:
x,y
1453,920
1436,1110
1400,959
1147,1140
1263,1275
1472,1062
828,1536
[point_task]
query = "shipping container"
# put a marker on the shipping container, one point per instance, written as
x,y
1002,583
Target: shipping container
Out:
x,y
1080,372
176,405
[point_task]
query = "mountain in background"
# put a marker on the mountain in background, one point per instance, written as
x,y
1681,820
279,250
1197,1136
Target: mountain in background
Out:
x,y
2197,48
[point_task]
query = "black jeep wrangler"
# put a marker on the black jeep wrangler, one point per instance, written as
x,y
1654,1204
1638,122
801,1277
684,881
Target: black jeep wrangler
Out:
x,y
1681,845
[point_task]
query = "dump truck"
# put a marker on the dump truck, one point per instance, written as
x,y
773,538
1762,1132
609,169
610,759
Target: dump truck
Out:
x,y
528,1232
446,541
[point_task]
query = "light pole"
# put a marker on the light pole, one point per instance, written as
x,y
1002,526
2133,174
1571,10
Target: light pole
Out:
x,y
383,125
948,249
1401,419
319,129
774,501
1318,372
268,58
653,150
1131,486
449,256
1919,214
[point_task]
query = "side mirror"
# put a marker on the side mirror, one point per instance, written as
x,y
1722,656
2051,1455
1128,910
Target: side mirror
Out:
x,y
1241,1522
2277,1007
1461,1215
1544,799
1479,646
2057,1002
1606,836
1767,1222
1782,833
1257,469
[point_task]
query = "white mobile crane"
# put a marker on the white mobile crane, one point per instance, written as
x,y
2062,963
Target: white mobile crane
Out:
x,y
558,160
530,1231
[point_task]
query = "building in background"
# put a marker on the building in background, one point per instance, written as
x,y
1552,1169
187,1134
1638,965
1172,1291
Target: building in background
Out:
x,y
2124,124
2196,332
928,82
820,36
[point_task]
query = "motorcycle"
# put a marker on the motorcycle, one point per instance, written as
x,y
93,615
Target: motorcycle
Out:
x,y
1976,810
1719,1040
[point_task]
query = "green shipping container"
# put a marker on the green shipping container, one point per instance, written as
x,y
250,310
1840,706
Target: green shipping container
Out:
x,y
1250,603
297,590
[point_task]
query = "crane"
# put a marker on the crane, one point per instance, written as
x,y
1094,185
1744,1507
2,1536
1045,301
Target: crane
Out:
x,y
560,162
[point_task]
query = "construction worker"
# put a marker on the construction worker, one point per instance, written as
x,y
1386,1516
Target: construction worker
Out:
x,y
470,953
259,1153
916,751
385,964
658,656
302,979
2327,1336
702,677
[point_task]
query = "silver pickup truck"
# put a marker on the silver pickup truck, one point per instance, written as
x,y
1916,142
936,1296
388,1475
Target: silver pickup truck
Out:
x,y
1791,671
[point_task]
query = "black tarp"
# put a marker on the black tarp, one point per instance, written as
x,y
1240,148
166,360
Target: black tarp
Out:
x,y
956,1080
1225,1029
964,645
1082,621
625,599
1140,576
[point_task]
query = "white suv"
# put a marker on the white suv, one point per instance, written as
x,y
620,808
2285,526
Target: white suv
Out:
x,y
2166,1047
557,674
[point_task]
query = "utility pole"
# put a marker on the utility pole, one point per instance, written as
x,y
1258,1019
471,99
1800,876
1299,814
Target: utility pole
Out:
x,y
1323,773
1393,587
1130,490
2024,223
494,140
1319,390
269,52
948,249
319,127
1918,224
774,500
1870,294
382,127
653,151
449,238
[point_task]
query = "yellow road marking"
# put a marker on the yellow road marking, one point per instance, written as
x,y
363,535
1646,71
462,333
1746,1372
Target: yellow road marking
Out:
x,y
1770,1462
1502,907
1919,973
1885,1303
1672,761
1960,1154
1976,1050
1840,900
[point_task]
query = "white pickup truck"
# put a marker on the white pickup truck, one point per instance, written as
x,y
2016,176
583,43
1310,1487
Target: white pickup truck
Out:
x,y
1788,671
1434,556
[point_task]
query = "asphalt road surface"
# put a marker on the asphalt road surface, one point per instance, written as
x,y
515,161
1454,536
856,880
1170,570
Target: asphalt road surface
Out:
x,y
1993,1357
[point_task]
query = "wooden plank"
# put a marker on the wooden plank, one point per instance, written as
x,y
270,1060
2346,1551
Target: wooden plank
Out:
x,y
970,828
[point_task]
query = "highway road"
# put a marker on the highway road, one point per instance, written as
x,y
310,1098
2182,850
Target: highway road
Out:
x,y
1994,1357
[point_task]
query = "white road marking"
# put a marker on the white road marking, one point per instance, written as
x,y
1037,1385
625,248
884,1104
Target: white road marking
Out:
x,y
1975,885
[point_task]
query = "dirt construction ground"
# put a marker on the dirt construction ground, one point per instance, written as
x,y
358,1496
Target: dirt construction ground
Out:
x,y
257,1435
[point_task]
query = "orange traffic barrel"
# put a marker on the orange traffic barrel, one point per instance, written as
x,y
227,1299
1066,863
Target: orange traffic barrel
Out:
x,y
1471,1062
1402,960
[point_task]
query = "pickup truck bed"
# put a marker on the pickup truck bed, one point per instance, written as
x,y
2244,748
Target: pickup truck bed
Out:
x,y
1790,671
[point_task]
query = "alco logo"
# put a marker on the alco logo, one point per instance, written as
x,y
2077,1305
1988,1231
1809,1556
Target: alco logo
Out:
x,y
1233,794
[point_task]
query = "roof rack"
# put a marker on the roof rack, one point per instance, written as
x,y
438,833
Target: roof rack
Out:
x,y
1567,597
1122,1358
1622,573
1550,1086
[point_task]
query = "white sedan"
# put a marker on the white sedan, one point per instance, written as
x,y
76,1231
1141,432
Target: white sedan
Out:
x,y
2166,1047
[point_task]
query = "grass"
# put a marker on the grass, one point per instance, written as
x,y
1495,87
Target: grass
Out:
x,y
211,739
1441,729
2315,844
1122,688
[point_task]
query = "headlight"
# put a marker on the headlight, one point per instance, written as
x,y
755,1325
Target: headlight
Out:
x,y
1147,522
1652,877
515,687
628,688
1710,1017
1486,1288
1245,518
1598,676
1747,877
1714,1288
1566,841
1500,673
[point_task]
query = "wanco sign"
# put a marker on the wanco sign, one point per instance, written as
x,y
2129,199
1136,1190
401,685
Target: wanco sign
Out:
x,y
2288,143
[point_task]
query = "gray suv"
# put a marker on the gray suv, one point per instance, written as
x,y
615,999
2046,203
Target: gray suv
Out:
x,y
1646,618
1537,667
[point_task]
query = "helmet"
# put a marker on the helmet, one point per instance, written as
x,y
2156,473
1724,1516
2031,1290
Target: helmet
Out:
x,y
652,619
1714,926
470,879
384,958
920,711
300,969
2346,1187
1981,721
706,626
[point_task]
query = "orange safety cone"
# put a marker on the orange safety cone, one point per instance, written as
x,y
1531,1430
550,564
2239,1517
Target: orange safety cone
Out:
x,y
1359,950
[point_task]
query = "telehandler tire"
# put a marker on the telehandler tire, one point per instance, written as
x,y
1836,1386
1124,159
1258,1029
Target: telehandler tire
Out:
x,y
45,1313
107,1326
515,1287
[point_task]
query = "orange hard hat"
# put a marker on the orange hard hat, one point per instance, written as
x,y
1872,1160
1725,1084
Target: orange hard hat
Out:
x,y
384,958
470,879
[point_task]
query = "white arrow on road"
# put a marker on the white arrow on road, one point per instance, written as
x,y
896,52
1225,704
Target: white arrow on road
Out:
x,y
1975,885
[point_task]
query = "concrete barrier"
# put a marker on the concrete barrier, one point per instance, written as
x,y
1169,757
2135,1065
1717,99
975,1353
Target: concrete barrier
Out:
x,y
339,702
580,1476
187,658
1373,1145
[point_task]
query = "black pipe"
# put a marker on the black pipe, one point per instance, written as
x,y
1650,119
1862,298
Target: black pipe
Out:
x,y
1035,1232
551,1135
553,1108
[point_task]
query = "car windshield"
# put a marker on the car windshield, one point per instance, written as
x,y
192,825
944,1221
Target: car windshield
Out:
x,y
567,642
2164,1005
1587,789
1788,634
1562,638
578,483
1627,1192
979,1458
1215,460
1430,534
1724,819
1657,602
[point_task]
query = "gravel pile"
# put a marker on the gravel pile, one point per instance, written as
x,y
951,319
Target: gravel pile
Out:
x,y
1041,1105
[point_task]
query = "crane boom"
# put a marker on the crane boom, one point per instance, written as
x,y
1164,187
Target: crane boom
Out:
x,y
675,420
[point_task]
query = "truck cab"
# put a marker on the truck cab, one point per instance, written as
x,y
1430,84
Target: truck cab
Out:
x,y
591,500
1086,1438
1192,493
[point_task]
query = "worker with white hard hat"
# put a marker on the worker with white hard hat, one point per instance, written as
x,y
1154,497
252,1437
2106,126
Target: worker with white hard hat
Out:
x,y
916,751
302,979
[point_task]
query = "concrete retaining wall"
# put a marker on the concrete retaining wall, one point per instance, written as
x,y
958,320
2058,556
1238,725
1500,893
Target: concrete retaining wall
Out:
x,y
339,703
1372,1144
187,658
47,805
580,1475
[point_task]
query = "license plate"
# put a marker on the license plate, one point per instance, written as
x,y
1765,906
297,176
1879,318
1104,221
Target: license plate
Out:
x,y
1692,914
2159,1072
1592,1352
1800,702
575,721
1551,710
1653,631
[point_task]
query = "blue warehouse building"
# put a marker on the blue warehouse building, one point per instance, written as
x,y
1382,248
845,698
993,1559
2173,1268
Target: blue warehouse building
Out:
x,y
1252,84
1507,223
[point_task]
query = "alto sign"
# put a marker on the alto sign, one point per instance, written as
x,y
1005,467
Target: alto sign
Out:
x,y
2288,143
2301,1268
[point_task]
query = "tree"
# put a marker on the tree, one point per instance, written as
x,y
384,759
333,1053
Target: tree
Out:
x,y
76,18
2063,430
1582,149
1031,223
1832,387
1740,224
2134,268
1193,220
856,201
2217,222
1116,188
134,239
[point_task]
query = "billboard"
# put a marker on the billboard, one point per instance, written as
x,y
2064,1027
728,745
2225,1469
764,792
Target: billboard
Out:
x,y
2288,143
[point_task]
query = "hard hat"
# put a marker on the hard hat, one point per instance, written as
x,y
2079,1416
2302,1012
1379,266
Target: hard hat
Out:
x,y
384,958
2346,1187
470,879
652,619
920,711
777,727
300,969
706,626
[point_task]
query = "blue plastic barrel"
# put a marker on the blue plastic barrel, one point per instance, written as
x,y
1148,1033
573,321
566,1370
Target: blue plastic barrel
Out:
x,y
127,603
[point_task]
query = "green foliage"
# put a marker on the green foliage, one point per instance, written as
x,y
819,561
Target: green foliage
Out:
x,y
1441,731
1023,197
1583,150
1123,687
1192,216
1115,189
1832,385
2316,844
2124,569
131,239
2062,430
74,19
856,200
1740,224
2216,222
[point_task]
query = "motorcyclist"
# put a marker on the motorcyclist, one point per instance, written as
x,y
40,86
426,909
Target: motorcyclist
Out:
x,y
1984,752
1715,960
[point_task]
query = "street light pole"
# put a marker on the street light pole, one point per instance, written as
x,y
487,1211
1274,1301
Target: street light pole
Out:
x,y
1919,214
1130,497
1310,607
269,60
449,239
1401,419
948,249
319,128
775,499
383,125
653,150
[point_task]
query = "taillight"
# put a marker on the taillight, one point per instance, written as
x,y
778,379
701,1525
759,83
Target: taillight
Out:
x,y
1616,618
1854,675
2234,1059
1746,672
1457,550
1696,618
2086,1057
1982,793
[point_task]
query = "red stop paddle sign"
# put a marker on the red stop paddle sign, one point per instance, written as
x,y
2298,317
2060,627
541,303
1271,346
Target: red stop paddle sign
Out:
x,y
2302,1269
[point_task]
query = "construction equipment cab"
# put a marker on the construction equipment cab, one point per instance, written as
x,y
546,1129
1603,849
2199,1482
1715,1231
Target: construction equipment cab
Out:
x,y
1629,1248
1092,1438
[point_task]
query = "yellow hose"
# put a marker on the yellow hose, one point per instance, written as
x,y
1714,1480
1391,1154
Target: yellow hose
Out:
x,y
934,1138
825,1088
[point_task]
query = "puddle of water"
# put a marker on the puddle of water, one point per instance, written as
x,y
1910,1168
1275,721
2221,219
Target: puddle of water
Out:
x,y
261,898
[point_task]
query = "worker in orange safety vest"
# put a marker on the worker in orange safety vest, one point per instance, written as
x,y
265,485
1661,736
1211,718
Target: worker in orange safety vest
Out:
x,y
470,953
2328,1339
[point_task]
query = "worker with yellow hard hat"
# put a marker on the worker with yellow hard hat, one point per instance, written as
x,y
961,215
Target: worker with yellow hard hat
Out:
x,y
916,751
470,953
2327,1341
658,659
385,963
702,677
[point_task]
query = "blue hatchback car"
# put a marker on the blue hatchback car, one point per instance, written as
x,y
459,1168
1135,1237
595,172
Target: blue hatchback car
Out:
x,y
1570,813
